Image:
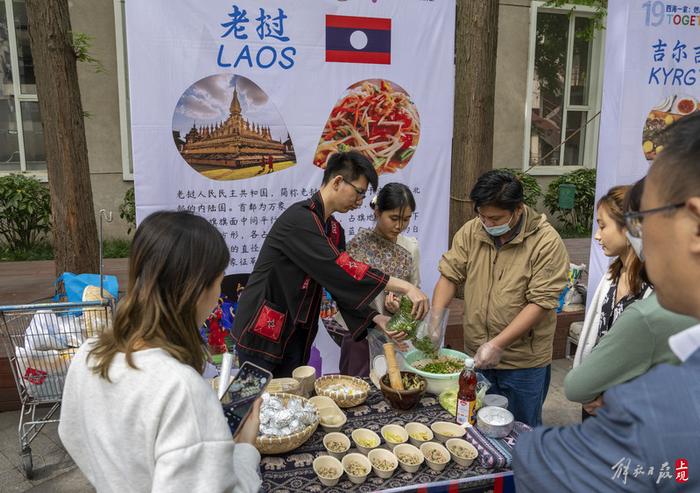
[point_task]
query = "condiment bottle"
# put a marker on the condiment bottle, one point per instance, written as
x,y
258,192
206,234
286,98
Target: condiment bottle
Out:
x,y
466,397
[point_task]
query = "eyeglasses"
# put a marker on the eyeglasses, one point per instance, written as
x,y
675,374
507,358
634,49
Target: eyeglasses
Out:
x,y
360,193
633,220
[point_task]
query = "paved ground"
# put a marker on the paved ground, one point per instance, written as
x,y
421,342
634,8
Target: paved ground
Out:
x,y
22,282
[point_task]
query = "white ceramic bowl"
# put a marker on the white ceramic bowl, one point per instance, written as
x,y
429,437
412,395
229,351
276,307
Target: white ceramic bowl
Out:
x,y
430,448
337,437
383,454
332,419
356,458
472,453
444,430
398,432
407,448
362,435
413,428
328,462
494,422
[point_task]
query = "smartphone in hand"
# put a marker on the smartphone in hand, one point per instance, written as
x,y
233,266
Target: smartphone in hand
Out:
x,y
246,387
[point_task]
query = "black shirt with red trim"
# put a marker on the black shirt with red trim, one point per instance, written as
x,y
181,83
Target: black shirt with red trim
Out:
x,y
302,254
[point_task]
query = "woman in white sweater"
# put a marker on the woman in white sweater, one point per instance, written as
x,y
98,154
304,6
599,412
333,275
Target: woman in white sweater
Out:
x,y
137,414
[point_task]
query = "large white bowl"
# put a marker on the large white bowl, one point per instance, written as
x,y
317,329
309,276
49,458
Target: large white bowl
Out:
x,y
437,383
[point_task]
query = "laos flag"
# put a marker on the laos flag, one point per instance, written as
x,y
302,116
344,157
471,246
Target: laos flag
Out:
x,y
352,39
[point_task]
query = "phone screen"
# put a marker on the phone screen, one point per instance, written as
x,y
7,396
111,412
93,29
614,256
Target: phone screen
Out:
x,y
248,385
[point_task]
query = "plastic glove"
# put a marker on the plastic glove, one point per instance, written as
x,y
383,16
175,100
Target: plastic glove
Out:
x,y
488,356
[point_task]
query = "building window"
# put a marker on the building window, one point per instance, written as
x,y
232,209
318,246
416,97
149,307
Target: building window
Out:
x,y
21,132
564,91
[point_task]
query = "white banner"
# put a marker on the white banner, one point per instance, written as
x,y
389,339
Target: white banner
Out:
x,y
652,64
236,104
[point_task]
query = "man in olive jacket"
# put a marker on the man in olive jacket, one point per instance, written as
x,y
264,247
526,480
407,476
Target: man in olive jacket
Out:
x,y
513,266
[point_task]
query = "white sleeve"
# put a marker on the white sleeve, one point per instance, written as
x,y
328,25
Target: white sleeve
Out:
x,y
411,244
203,467
415,277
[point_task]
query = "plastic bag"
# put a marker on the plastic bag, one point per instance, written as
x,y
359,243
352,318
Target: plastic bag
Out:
x,y
43,373
75,284
427,335
573,296
46,331
448,398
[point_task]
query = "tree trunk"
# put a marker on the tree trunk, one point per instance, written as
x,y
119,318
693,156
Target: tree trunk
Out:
x,y
475,87
73,217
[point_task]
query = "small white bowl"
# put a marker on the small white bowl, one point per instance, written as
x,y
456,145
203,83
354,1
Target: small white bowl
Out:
x,y
322,402
363,434
407,448
462,461
363,461
397,430
337,437
431,447
413,428
383,454
444,430
332,419
326,461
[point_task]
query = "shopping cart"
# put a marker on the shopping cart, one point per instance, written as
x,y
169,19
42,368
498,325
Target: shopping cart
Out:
x,y
40,340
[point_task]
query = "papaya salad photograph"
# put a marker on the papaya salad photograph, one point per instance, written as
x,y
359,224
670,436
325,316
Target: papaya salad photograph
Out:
x,y
377,118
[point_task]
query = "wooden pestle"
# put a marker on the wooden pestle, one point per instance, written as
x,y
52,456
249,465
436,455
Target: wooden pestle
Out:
x,y
392,367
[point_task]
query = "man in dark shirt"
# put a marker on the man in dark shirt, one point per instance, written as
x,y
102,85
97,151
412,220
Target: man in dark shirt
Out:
x,y
277,317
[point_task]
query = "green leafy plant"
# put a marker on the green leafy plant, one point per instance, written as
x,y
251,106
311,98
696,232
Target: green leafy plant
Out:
x,y
42,250
116,248
531,189
578,220
127,209
25,211
82,43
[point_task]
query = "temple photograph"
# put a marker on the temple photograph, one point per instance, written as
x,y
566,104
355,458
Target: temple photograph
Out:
x,y
226,128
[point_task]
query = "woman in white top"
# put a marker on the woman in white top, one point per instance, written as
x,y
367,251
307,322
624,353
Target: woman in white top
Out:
x,y
386,249
137,414
625,281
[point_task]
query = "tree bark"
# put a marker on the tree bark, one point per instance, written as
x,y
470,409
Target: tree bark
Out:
x,y
73,218
476,39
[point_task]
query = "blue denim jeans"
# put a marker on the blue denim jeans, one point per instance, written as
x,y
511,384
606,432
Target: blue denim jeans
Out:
x,y
525,389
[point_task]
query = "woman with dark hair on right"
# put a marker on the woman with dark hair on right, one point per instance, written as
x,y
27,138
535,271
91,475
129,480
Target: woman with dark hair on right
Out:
x,y
636,342
625,281
136,413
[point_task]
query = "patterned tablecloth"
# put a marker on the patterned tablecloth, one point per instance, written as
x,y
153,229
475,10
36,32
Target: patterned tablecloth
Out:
x,y
293,472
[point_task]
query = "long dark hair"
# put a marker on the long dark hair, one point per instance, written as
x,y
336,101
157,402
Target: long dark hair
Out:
x,y
614,201
393,196
175,257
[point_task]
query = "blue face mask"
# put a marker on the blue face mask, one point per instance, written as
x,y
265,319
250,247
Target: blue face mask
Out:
x,y
498,230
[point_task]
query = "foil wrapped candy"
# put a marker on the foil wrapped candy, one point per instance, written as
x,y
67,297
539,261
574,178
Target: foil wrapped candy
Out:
x,y
278,419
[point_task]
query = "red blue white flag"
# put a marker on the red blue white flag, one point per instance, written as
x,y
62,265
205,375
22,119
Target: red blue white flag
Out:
x,y
351,39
